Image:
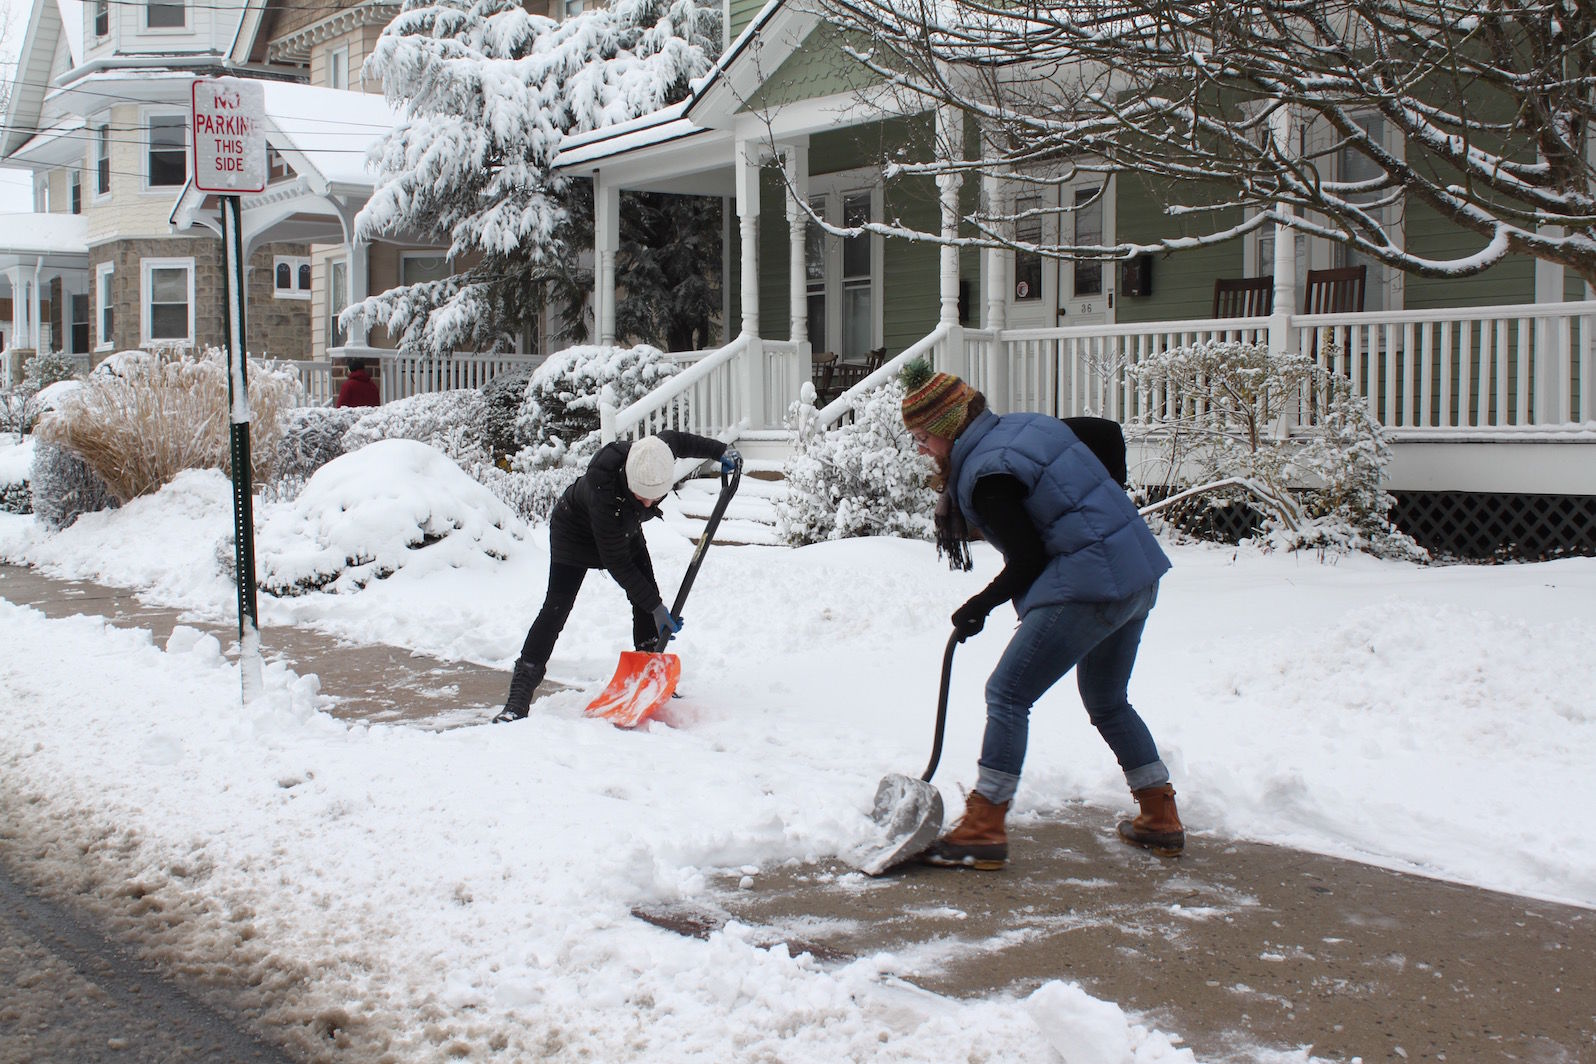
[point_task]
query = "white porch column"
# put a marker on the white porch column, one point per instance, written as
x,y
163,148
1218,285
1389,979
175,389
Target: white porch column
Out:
x,y
997,288
1552,361
33,306
606,242
950,146
1285,264
357,275
797,228
747,163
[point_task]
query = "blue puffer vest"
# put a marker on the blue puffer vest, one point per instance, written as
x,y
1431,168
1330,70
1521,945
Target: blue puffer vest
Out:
x,y
1099,548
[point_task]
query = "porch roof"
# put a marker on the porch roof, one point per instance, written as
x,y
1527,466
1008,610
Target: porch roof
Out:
x,y
61,240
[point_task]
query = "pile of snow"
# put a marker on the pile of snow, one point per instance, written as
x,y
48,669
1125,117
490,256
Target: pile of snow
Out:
x,y
365,515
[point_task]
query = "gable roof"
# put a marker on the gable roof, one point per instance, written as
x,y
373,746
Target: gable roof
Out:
x,y
39,44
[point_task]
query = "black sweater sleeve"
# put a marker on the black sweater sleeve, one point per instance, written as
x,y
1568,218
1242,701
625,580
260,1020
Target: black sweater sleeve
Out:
x,y
1000,504
687,445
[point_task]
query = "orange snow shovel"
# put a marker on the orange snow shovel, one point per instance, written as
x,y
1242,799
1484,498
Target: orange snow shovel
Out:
x,y
644,682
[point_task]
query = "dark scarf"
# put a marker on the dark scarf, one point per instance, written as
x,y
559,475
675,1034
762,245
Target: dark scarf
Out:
x,y
953,535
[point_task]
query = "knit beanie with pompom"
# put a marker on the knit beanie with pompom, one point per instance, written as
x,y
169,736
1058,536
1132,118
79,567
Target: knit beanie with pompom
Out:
x,y
937,405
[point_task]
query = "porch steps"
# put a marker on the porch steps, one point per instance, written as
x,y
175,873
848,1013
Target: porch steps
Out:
x,y
749,520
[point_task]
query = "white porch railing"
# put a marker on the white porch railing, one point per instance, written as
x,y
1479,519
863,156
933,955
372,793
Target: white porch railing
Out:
x,y
1475,373
743,387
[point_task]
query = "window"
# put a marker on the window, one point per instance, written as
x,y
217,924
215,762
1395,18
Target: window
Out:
x,y
1088,231
75,183
80,321
168,155
574,7
168,302
104,300
416,267
337,300
102,161
843,273
1028,264
291,277
102,18
165,15
338,68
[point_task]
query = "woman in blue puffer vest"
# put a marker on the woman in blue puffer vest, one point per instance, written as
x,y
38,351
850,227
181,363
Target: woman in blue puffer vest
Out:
x,y
1082,570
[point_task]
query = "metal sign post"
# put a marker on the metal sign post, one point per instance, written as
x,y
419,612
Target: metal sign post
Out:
x,y
229,140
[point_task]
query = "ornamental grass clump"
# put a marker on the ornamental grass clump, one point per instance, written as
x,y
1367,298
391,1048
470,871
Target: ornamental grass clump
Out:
x,y
141,418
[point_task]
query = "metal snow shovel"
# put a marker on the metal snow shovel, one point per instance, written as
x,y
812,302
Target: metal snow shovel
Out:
x,y
643,682
909,811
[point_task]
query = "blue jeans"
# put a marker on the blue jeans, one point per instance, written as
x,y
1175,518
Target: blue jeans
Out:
x,y
1096,639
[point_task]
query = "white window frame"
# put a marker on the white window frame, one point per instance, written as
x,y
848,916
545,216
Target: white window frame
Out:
x,y
334,265
146,127
338,68
75,190
407,257
99,9
146,268
833,190
298,268
102,154
187,25
104,300
572,7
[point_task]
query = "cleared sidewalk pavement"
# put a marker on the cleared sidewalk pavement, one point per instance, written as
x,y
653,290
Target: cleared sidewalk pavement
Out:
x,y
1236,945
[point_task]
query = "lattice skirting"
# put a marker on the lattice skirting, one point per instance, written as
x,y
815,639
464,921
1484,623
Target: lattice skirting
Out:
x,y
1451,525
1497,526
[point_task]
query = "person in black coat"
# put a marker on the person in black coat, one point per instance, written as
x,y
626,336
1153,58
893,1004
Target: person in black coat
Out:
x,y
598,524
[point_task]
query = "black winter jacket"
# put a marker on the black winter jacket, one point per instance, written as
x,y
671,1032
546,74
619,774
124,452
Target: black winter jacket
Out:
x,y
598,522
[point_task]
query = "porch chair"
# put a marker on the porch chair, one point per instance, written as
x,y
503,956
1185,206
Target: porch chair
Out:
x,y
1337,291
822,368
1244,297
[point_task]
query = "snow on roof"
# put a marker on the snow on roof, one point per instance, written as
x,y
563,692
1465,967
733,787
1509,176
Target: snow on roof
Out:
x,y
618,140
331,130
45,234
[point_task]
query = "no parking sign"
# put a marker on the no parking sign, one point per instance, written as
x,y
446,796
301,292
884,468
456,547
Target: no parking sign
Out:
x,y
229,135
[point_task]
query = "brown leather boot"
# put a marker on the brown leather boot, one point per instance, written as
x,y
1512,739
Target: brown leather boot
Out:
x,y
1158,826
976,841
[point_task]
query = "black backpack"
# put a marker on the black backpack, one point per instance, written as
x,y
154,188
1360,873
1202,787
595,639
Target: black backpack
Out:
x,y
1106,440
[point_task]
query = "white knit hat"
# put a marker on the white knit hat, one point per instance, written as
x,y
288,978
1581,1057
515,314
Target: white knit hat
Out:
x,y
650,468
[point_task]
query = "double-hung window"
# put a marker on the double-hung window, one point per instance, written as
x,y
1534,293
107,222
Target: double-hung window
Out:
x,y
102,18
102,161
843,273
167,162
165,14
168,301
105,306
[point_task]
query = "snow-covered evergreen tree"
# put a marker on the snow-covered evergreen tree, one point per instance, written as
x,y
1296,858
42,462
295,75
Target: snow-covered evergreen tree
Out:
x,y
489,89
863,479
559,419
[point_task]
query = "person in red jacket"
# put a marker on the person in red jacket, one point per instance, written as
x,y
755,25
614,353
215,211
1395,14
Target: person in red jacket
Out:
x,y
359,389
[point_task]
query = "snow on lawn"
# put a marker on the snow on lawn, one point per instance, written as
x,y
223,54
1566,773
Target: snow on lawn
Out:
x,y
472,887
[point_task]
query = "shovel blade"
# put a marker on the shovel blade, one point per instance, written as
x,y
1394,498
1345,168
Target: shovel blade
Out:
x,y
642,683
909,813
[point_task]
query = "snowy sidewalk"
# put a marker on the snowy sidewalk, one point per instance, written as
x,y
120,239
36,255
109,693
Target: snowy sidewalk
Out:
x,y
1236,945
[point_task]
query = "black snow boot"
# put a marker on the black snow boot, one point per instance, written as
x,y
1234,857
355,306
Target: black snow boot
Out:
x,y
524,680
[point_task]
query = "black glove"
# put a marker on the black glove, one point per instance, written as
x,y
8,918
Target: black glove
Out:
x,y
969,619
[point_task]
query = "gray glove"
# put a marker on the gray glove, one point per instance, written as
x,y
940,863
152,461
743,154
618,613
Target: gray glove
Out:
x,y
664,622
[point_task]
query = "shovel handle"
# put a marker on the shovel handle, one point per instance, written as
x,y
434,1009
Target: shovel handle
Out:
x,y
728,488
942,708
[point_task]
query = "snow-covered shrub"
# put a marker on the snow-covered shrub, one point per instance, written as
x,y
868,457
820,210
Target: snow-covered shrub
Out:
x,y
559,418
392,505
141,418
63,487
43,370
19,408
449,421
16,497
312,437
1320,485
503,396
862,479
530,493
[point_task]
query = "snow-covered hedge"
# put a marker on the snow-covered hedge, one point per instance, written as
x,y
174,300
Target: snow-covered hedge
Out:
x,y
450,421
141,418
16,497
312,437
392,505
62,486
504,395
1321,488
559,418
863,479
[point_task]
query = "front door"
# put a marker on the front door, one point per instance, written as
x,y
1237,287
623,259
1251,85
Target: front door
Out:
x,y
1051,291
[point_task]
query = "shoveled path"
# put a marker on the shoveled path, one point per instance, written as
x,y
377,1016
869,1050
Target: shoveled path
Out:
x,y
1235,945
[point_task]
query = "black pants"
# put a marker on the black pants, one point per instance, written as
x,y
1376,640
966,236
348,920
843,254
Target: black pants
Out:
x,y
564,582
